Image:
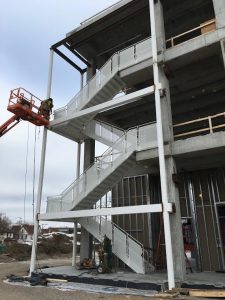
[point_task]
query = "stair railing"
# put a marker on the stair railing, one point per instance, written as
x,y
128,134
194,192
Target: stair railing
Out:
x,y
111,158
104,130
126,234
118,61
144,136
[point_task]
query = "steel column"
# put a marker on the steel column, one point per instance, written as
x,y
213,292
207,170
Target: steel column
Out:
x,y
41,174
75,223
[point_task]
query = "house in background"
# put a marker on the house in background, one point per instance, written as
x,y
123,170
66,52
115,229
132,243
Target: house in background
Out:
x,y
26,234
21,233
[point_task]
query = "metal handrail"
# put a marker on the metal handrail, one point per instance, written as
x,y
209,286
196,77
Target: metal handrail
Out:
x,y
88,83
121,229
144,251
172,39
116,53
21,93
108,152
105,154
189,31
210,128
83,174
113,126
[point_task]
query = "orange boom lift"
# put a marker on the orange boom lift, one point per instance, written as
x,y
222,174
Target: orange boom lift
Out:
x,y
24,106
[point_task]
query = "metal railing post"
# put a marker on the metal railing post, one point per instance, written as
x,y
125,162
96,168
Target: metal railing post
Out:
x,y
210,125
138,136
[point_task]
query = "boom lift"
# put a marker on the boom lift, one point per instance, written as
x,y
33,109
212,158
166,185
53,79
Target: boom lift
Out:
x,y
25,106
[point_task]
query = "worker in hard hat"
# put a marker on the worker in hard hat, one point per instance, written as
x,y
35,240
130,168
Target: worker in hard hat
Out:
x,y
45,108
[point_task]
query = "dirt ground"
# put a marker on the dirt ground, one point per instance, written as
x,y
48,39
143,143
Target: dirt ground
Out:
x,y
17,292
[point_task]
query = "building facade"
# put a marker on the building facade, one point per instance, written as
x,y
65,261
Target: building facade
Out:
x,y
154,94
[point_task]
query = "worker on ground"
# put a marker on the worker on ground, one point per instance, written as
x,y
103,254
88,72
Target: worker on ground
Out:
x,y
45,108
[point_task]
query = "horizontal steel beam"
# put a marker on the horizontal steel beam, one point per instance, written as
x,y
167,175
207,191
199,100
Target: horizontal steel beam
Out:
x,y
137,209
120,101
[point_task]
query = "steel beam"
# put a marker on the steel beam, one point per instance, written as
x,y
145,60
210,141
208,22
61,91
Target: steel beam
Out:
x,y
126,210
120,101
69,61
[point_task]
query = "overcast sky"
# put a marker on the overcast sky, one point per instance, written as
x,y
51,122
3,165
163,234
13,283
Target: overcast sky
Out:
x,y
27,30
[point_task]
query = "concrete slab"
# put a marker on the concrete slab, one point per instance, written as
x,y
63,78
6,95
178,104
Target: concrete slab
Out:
x,y
154,281
205,279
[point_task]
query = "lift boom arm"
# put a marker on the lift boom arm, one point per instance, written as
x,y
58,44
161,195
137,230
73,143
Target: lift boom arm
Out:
x,y
25,106
9,124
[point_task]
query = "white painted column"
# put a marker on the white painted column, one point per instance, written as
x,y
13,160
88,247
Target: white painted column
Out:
x,y
41,175
75,223
74,244
162,165
219,9
77,175
89,154
81,80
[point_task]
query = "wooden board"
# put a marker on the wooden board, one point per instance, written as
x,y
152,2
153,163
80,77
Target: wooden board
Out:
x,y
208,27
166,295
53,280
207,293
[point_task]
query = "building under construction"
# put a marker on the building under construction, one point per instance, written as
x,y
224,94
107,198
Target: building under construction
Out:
x,y
152,90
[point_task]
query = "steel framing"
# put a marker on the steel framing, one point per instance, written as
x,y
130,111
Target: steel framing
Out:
x,y
136,209
123,100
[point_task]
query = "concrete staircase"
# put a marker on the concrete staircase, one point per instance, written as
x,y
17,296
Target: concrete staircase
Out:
x,y
96,181
104,86
109,169
115,163
85,127
124,246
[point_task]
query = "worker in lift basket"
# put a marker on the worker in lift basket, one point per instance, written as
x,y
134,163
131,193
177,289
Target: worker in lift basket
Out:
x,y
45,108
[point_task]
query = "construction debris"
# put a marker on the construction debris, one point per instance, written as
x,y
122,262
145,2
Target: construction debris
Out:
x,y
166,295
201,293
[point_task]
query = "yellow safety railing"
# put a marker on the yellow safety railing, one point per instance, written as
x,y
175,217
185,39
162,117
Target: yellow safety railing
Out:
x,y
204,28
206,126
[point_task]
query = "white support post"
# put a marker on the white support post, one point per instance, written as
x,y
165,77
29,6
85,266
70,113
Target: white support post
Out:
x,y
77,175
162,165
81,80
67,216
78,159
41,176
74,245
75,223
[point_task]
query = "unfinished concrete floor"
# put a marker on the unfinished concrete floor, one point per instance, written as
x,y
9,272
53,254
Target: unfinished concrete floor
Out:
x,y
153,281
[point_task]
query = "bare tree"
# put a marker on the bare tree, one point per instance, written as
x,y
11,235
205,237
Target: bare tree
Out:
x,y
4,223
